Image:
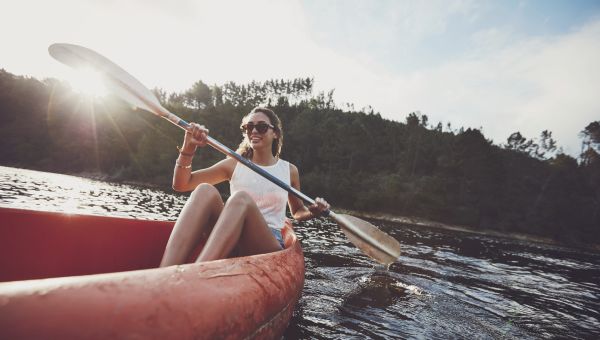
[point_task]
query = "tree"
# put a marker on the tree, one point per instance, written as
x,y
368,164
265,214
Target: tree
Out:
x,y
541,149
199,96
590,157
592,133
590,145
217,95
417,119
547,145
517,142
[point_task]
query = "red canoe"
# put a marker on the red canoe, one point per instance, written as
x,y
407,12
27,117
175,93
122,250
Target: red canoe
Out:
x,y
78,276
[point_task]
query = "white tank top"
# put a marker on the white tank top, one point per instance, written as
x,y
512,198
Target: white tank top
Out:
x,y
270,199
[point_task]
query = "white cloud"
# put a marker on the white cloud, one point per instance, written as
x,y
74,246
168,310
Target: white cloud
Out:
x,y
527,86
555,85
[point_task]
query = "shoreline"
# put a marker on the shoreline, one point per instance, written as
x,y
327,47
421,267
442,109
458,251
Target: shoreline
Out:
x,y
423,222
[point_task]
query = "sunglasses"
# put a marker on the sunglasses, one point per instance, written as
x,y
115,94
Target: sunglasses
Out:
x,y
261,127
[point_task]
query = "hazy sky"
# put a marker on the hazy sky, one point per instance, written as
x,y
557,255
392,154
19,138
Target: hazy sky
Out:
x,y
503,66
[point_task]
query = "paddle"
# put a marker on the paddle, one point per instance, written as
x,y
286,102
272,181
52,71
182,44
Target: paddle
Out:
x,y
368,238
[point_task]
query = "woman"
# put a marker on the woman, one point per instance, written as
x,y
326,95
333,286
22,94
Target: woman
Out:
x,y
251,220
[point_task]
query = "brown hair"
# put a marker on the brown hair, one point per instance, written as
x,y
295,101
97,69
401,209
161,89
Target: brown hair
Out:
x,y
246,150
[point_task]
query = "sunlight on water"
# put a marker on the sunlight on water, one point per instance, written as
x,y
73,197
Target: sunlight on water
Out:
x,y
73,190
28,189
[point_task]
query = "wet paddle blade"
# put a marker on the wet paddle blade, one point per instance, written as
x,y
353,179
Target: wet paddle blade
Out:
x,y
369,239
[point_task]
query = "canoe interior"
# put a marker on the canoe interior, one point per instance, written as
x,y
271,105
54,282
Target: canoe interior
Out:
x,y
36,244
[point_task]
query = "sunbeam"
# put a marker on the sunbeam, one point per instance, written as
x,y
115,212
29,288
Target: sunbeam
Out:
x,y
87,82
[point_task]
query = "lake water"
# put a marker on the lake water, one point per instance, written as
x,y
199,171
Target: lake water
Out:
x,y
447,284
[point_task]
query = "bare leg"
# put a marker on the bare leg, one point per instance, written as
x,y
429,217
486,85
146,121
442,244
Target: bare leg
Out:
x,y
240,224
198,216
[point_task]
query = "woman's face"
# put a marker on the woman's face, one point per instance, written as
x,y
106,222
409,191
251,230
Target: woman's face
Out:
x,y
256,139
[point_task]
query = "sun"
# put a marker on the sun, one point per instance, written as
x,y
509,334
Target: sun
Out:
x,y
87,82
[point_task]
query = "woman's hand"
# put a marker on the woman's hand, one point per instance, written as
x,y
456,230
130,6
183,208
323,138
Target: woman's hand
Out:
x,y
319,207
196,135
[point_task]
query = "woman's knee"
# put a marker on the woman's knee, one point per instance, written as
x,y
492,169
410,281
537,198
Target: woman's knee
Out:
x,y
206,192
240,199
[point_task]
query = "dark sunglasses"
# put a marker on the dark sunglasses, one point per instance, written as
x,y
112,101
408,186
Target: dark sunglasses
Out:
x,y
261,127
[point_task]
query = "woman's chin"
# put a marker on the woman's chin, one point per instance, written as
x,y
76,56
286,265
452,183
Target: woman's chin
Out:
x,y
257,144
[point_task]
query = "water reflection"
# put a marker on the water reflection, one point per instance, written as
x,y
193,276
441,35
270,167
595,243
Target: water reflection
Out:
x,y
29,189
447,284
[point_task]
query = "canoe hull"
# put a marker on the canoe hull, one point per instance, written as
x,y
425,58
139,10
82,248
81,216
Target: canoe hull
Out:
x,y
245,297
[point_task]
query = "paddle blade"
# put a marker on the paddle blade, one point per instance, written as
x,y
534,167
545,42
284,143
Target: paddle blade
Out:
x,y
369,239
117,80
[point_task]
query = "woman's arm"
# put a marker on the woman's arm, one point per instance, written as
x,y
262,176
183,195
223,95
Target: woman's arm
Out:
x,y
183,177
186,180
299,211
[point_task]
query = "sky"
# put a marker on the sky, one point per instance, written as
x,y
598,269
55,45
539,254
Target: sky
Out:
x,y
500,66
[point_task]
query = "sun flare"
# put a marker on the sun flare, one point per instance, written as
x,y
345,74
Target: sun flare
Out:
x,y
87,82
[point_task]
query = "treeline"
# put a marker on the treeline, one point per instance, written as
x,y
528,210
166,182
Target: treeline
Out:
x,y
356,159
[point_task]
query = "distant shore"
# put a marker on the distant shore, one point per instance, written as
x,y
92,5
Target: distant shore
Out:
x,y
422,222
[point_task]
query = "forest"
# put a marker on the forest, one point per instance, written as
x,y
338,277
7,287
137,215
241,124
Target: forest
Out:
x,y
354,158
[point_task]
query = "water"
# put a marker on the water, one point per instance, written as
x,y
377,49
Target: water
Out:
x,y
447,284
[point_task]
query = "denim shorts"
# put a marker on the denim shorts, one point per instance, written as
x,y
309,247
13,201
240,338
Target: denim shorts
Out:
x,y
278,236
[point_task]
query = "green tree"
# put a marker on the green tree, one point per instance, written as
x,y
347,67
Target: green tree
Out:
x,y
198,96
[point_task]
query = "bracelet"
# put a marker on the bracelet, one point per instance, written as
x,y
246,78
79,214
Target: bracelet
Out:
x,y
183,166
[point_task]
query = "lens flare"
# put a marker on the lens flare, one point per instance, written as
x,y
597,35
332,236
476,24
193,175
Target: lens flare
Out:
x,y
87,82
